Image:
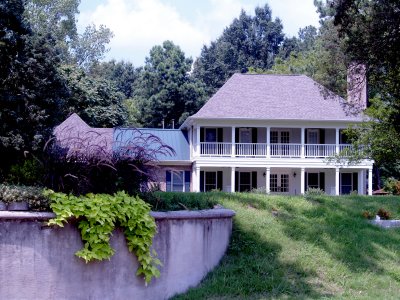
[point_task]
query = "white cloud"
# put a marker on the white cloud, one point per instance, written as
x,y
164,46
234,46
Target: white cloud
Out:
x,y
138,25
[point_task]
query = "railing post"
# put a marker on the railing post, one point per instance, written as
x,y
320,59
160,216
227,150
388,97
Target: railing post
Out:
x,y
198,140
337,150
302,154
233,146
268,142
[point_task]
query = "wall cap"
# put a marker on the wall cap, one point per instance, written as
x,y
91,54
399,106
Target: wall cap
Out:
x,y
158,215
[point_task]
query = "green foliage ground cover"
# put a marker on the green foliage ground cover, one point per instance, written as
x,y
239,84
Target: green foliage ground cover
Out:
x,y
286,247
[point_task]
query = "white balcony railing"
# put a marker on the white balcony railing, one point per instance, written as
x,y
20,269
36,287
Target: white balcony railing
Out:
x,y
285,150
216,149
319,150
251,149
276,150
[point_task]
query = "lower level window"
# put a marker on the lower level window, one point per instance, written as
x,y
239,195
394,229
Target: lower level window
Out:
x,y
284,183
210,181
178,181
274,183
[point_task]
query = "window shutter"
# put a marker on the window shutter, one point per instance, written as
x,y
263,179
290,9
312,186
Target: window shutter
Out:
x,y
201,181
322,181
236,135
236,181
253,180
322,136
168,181
187,181
355,182
220,135
219,180
201,135
254,135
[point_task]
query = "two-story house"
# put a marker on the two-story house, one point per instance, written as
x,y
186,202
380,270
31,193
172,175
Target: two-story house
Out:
x,y
266,132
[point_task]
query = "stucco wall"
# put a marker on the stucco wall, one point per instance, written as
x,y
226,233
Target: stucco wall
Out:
x,y
38,262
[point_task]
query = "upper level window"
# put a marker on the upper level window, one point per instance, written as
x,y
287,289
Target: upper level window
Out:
x,y
282,136
211,135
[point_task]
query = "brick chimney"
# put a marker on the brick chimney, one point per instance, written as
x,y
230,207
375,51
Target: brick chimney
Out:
x,y
357,86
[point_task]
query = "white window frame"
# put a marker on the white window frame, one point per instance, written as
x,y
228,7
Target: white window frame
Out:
x,y
180,174
205,180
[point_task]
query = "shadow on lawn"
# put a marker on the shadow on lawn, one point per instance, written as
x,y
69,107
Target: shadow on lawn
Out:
x,y
337,226
252,268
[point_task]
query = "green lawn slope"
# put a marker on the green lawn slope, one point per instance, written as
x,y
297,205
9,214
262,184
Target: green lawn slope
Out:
x,y
286,247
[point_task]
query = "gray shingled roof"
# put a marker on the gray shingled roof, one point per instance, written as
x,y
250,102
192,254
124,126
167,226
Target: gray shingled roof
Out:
x,y
175,138
274,97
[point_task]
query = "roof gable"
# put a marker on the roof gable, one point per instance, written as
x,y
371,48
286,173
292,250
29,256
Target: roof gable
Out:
x,y
275,97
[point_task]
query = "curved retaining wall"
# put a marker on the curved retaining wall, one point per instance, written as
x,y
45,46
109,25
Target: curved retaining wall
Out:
x,y
38,262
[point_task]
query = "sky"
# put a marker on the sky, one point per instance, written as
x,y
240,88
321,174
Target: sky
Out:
x,y
138,25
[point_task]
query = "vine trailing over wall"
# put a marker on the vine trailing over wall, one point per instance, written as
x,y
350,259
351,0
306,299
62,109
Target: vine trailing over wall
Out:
x,y
98,215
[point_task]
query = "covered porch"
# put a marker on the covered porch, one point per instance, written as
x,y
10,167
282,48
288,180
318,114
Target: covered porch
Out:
x,y
282,180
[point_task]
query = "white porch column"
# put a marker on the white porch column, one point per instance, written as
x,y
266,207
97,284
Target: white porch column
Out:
x,y
233,141
302,180
267,180
337,149
361,182
303,139
197,140
233,169
196,179
370,182
337,182
268,142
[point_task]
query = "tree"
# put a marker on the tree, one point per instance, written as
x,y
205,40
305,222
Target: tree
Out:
x,y
247,42
96,101
371,36
31,90
58,18
165,90
122,73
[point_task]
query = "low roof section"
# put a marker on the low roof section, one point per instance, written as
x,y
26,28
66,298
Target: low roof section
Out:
x,y
275,97
174,138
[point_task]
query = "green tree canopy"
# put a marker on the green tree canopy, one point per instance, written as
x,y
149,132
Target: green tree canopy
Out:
x,y
249,41
165,89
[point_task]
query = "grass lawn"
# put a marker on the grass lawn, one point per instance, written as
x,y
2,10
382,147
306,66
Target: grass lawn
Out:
x,y
319,248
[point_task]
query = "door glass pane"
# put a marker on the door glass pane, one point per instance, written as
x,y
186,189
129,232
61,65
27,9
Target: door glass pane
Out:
x,y
312,136
245,135
284,183
210,181
211,135
274,137
244,181
284,137
273,182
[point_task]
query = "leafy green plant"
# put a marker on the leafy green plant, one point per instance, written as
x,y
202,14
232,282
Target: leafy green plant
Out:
x,y
312,192
368,214
31,194
392,186
98,215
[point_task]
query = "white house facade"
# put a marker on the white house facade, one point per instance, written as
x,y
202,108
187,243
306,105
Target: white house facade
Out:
x,y
274,133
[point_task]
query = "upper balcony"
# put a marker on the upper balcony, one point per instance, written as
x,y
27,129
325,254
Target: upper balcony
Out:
x,y
274,150
269,142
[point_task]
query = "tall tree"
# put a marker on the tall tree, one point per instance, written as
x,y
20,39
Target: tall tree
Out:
x,y
96,100
58,18
249,41
165,90
371,34
31,90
